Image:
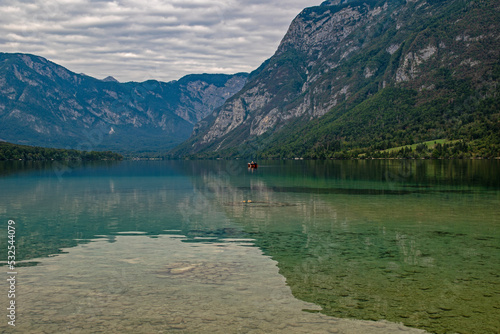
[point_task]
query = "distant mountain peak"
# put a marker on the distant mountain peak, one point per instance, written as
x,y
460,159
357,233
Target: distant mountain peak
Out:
x,y
334,2
109,79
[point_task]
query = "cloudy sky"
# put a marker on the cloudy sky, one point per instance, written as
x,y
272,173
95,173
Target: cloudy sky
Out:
x,y
136,40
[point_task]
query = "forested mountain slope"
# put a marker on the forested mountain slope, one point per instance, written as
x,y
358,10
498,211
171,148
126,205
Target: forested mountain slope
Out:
x,y
356,78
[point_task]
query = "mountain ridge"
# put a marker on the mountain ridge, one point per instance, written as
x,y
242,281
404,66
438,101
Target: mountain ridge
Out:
x,y
45,104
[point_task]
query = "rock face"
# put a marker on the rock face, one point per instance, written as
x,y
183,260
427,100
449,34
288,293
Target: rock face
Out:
x,y
44,104
342,53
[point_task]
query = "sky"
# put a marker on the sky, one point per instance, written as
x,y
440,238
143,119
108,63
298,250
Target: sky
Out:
x,y
137,40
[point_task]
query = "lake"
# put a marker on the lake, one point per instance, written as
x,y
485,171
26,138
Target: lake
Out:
x,y
375,246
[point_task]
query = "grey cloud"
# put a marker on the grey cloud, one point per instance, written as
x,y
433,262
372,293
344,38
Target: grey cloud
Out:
x,y
138,40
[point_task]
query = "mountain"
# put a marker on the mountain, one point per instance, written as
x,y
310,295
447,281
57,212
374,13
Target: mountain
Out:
x,y
44,104
109,79
355,78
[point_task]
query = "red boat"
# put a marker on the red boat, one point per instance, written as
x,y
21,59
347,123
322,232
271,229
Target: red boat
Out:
x,y
252,165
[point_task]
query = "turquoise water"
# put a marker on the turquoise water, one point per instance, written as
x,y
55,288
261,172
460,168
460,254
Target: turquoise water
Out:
x,y
294,246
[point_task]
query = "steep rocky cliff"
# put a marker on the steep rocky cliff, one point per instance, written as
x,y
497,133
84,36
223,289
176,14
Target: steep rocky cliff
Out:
x,y
44,104
366,75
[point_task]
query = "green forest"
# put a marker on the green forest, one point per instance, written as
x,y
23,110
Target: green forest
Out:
x,y
10,151
394,124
